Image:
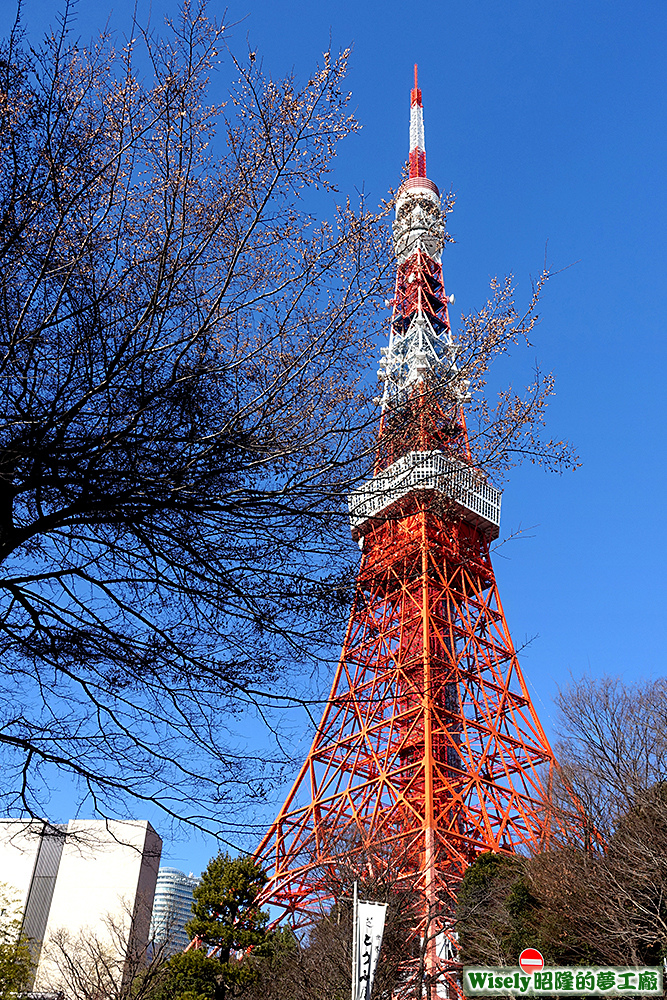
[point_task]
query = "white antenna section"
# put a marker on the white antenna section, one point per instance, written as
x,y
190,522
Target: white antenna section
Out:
x,y
417,128
425,346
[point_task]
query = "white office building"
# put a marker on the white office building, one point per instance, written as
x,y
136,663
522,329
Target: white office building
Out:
x,y
172,909
83,881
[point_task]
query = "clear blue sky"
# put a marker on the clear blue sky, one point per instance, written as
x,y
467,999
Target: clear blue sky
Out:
x,y
548,120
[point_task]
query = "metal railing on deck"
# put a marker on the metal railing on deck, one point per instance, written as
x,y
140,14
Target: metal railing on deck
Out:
x,y
476,500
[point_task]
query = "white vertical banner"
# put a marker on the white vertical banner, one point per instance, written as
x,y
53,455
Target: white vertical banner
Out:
x,y
368,930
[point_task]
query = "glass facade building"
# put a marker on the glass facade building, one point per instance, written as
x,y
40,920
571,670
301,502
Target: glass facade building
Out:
x,y
172,908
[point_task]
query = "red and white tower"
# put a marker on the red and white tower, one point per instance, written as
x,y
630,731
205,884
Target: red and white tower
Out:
x,y
429,751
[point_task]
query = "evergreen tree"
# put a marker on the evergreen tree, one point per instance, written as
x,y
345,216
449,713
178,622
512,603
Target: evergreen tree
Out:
x,y
15,959
227,925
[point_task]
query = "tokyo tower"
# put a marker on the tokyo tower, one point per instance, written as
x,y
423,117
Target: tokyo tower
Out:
x,y
429,750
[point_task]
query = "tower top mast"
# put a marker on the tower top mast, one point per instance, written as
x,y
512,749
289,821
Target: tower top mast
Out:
x,y
417,146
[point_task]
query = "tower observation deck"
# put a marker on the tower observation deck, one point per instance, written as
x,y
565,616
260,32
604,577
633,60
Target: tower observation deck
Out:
x,y
429,751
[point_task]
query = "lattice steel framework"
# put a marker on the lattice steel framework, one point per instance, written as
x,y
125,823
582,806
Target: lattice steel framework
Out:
x,y
429,751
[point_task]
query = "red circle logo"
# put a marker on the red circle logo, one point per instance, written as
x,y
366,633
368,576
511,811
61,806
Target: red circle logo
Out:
x,y
531,960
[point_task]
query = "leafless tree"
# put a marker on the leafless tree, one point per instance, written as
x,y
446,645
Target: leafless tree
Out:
x,y
596,899
613,754
108,962
183,347
613,746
